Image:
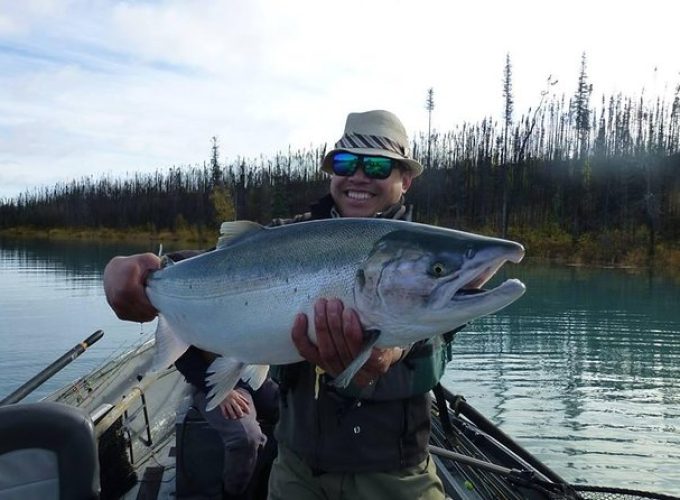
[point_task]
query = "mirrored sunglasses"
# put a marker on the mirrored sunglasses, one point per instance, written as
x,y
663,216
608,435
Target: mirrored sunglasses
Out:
x,y
375,167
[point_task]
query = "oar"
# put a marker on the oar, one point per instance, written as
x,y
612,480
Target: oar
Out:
x,y
520,476
48,372
458,457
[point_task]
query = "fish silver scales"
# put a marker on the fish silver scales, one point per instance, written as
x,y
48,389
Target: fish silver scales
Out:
x,y
404,279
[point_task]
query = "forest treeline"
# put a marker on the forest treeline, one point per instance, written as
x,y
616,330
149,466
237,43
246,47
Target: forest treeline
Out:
x,y
567,168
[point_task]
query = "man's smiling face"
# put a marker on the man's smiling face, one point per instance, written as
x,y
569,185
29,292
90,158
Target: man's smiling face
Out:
x,y
361,196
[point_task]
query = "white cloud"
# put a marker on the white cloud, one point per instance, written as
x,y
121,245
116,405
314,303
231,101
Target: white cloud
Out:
x,y
111,86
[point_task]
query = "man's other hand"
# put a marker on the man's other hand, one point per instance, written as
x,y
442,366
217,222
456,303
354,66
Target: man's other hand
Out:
x,y
124,280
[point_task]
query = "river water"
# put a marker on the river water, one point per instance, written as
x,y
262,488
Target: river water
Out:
x,y
584,370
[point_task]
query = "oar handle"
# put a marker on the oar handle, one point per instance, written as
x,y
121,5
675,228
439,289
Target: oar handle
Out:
x,y
52,369
467,460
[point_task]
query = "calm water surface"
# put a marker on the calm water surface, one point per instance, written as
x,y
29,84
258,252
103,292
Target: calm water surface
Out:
x,y
584,370
51,298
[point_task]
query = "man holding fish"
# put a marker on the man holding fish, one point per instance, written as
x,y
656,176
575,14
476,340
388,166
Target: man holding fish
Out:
x,y
355,404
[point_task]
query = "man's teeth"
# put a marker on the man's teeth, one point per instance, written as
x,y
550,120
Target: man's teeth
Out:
x,y
358,195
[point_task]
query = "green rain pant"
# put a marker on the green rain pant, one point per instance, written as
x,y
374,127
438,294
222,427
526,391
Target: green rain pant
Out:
x,y
292,478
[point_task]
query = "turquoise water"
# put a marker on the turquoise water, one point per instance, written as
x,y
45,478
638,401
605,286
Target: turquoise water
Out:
x,y
584,370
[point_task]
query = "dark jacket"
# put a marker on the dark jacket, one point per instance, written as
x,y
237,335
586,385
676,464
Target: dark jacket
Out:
x,y
382,428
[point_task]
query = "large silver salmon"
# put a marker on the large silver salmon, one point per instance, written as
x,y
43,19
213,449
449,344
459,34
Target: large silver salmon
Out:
x,y
407,282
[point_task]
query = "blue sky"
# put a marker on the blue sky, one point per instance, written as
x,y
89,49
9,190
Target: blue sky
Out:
x,y
109,87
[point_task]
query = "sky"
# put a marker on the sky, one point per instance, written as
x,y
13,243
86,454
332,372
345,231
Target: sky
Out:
x,y
115,87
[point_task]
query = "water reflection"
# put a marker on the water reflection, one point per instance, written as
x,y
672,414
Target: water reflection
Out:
x,y
584,371
71,259
51,298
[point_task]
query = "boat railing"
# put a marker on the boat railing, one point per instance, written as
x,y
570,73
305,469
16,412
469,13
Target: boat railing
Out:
x,y
124,404
479,454
142,424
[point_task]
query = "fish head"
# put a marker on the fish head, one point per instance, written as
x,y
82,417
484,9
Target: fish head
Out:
x,y
423,281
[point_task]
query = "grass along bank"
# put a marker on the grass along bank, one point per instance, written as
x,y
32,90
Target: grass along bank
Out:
x,y
193,237
611,248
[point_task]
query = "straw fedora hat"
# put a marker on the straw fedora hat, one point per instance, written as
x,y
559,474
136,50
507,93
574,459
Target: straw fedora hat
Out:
x,y
378,133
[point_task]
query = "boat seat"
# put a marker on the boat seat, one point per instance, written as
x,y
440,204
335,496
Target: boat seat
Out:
x,y
47,451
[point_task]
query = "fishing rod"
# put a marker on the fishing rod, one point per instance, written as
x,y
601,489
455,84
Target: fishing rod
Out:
x,y
51,370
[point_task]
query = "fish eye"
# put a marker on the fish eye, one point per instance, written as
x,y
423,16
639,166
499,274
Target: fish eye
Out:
x,y
437,269
470,253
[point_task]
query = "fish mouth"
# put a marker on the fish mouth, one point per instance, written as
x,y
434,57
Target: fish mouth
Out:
x,y
470,291
474,287
511,287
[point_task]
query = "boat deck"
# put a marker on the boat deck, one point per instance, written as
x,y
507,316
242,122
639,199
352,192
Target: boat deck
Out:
x,y
138,416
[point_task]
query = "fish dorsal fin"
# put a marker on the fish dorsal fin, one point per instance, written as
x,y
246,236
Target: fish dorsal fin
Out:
x,y
230,231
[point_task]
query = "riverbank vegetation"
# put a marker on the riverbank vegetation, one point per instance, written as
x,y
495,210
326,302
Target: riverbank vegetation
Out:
x,y
580,179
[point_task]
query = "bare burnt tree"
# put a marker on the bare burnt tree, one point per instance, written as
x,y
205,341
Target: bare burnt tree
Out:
x,y
614,167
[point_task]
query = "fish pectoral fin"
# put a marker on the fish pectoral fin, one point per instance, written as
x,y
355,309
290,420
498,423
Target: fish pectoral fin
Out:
x,y
255,375
229,231
370,339
223,373
169,346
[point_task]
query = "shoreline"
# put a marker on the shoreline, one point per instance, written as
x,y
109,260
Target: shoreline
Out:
x,y
101,235
566,252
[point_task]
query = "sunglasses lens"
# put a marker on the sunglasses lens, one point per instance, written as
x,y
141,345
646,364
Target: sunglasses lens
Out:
x,y
378,167
345,164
